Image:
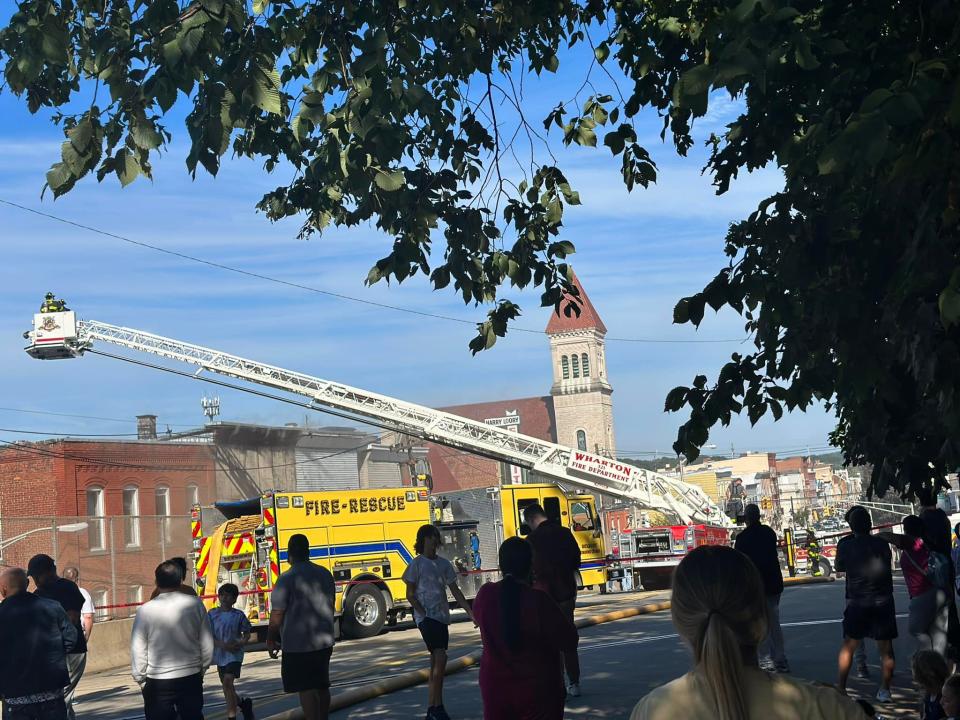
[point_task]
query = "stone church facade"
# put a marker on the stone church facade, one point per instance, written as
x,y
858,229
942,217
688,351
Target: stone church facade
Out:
x,y
578,412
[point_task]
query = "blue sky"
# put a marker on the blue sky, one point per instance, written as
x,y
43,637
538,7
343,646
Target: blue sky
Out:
x,y
637,254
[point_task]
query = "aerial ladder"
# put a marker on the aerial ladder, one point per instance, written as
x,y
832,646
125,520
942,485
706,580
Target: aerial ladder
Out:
x,y
61,335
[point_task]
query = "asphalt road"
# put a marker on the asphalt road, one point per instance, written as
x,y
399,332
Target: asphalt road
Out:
x,y
621,661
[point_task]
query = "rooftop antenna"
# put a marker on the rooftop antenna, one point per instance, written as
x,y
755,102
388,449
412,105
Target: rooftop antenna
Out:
x,y
211,407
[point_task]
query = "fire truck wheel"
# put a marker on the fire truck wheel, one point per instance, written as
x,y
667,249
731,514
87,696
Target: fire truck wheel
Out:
x,y
364,612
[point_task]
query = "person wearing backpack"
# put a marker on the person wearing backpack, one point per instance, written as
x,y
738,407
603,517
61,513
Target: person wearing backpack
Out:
x,y
923,575
937,539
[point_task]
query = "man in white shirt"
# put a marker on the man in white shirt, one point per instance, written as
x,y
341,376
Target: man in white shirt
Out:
x,y
169,665
88,611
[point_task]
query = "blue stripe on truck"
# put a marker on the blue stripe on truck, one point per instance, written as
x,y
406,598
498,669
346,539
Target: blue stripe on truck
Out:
x,y
324,551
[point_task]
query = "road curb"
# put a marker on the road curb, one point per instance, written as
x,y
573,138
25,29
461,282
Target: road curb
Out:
x,y
370,691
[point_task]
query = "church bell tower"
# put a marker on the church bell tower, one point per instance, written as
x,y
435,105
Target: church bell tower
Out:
x,y
582,402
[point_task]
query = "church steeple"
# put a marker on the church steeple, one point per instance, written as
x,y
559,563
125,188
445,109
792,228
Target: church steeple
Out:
x,y
581,389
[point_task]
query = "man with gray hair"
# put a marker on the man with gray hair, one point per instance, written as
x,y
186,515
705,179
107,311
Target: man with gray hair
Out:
x,y
759,543
36,635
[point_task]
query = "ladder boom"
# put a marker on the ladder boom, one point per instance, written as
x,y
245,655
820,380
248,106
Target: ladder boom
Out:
x,y
59,335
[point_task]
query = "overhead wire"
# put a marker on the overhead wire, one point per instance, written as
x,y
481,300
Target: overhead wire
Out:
x,y
82,417
310,406
92,459
329,293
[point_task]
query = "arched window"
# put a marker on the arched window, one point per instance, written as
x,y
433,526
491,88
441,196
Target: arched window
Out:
x,y
585,364
565,366
576,365
95,533
193,497
131,516
162,497
581,440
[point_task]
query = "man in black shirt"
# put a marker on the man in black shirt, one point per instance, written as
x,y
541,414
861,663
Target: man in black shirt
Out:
x,y
759,543
870,611
36,636
43,570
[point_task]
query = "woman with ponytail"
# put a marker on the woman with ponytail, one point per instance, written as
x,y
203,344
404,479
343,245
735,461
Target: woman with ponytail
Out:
x,y
524,635
719,609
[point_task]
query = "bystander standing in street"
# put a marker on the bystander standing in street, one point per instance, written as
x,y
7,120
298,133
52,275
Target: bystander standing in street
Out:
x,y
43,570
171,647
301,626
428,577
870,610
925,623
759,543
231,630
556,568
35,636
719,609
524,637
89,611
181,565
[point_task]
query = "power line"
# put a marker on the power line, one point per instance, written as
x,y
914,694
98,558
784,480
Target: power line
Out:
x,y
82,417
60,434
310,288
34,450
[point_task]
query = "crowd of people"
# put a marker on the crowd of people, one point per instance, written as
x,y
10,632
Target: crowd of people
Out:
x,y
725,606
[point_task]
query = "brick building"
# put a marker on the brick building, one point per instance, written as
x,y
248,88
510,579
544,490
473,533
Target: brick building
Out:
x,y
113,508
578,412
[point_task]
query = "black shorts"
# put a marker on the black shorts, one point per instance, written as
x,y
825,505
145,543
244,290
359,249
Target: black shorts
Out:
x,y
302,671
878,622
435,634
229,669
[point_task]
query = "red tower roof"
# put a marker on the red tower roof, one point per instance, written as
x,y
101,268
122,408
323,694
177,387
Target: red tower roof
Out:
x,y
588,318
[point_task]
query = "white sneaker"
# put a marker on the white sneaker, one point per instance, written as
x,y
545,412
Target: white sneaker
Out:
x,y
883,696
573,690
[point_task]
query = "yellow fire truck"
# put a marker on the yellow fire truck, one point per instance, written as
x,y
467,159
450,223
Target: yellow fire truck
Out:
x,y
366,539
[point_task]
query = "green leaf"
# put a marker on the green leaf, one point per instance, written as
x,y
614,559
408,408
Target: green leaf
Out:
x,y
127,167
561,249
601,52
804,54
676,399
389,181
552,63
874,100
58,177
260,6
266,90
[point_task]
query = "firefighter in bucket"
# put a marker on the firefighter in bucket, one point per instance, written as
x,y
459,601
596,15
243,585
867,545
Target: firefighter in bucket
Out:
x,y
50,304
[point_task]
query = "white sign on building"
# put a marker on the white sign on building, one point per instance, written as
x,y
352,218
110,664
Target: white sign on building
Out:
x,y
510,421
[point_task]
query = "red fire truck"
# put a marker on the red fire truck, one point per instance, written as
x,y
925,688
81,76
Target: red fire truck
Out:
x,y
650,554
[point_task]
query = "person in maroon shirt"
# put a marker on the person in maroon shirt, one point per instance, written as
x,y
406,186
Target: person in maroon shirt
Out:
x,y
524,637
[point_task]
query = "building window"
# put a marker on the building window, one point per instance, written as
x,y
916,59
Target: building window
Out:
x,y
100,601
134,597
131,516
162,496
193,497
565,366
580,517
585,364
581,440
576,365
95,534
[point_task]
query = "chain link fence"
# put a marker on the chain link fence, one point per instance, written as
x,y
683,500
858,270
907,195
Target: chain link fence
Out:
x,y
116,556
